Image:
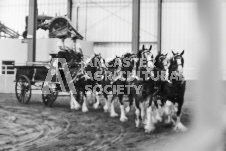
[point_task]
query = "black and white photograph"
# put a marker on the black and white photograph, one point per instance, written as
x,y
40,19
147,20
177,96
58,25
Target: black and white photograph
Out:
x,y
112,75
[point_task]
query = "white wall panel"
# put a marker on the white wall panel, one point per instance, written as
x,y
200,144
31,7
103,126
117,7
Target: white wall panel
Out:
x,y
180,31
52,7
223,29
111,21
148,21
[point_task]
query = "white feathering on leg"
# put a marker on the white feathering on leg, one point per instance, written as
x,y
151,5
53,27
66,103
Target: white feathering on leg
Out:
x,y
106,106
74,103
123,117
113,113
84,106
96,105
179,126
127,109
137,120
149,127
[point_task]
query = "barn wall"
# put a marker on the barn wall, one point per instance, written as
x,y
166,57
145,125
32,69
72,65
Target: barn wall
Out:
x,y
180,32
108,24
111,21
223,29
179,27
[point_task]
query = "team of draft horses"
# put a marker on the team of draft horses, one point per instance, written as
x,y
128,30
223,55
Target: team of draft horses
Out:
x,y
154,85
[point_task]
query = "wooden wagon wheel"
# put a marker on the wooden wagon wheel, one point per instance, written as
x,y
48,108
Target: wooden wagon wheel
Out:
x,y
49,95
23,89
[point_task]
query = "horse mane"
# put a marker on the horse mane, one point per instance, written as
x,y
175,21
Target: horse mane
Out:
x,y
156,62
127,68
127,55
139,53
112,62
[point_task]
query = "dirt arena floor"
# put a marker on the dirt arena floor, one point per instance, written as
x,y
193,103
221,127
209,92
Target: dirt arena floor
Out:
x,y
36,127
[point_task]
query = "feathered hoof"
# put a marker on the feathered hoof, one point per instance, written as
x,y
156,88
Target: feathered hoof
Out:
x,y
114,115
123,119
127,109
77,107
144,122
137,123
168,121
84,110
149,129
154,120
159,119
106,109
72,107
95,106
179,127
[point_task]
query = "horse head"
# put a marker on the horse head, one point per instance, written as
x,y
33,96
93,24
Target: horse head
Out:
x,y
177,62
129,62
162,62
114,64
98,61
147,56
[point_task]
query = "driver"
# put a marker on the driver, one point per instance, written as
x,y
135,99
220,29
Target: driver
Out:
x,y
75,46
61,44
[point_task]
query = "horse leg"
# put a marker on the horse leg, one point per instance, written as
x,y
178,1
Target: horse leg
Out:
x,y
168,112
90,94
178,125
149,127
123,117
112,111
143,111
106,106
73,103
128,108
84,104
138,113
160,104
96,105
72,106
157,111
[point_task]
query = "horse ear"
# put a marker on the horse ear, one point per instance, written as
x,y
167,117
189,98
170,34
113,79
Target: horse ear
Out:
x,y
150,47
173,53
182,53
143,47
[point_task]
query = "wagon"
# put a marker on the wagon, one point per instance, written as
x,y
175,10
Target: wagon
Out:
x,y
33,77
